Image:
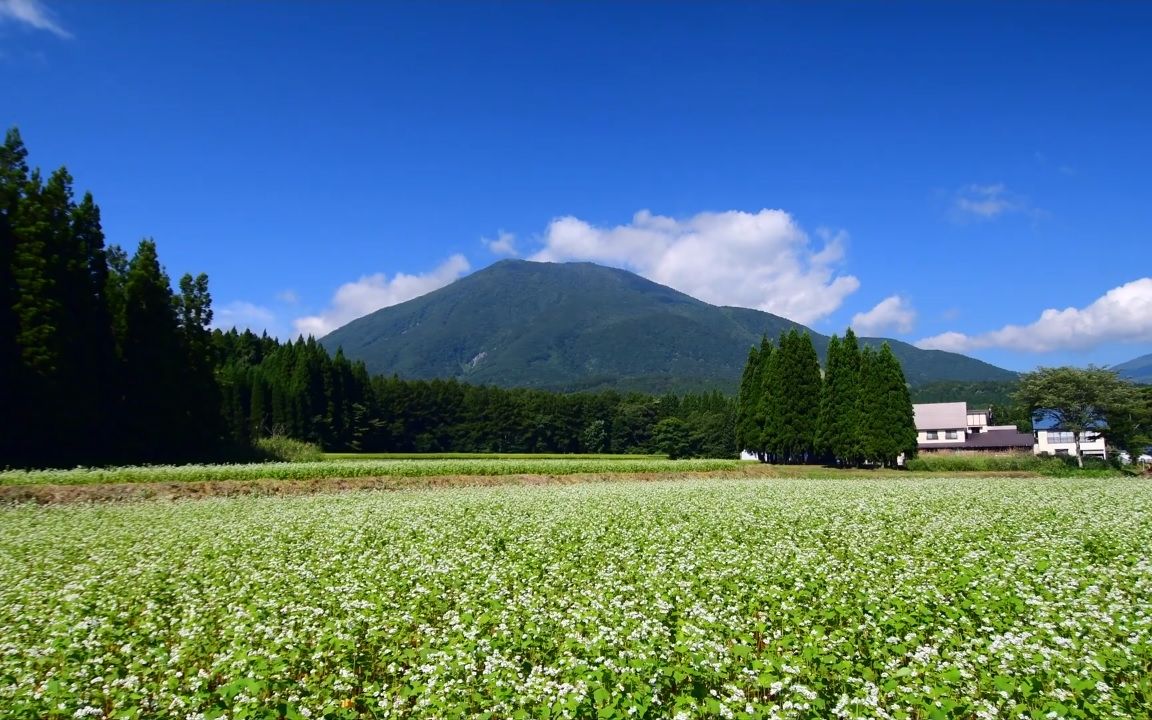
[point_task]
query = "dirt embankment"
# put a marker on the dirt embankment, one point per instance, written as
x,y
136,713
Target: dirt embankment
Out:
x,y
120,492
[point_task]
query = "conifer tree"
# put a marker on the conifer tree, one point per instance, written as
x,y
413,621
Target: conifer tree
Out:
x,y
13,181
759,416
747,401
870,406
887,421
44,257
794,404
774,434
153,361
92,384
824,422
840,434
201,400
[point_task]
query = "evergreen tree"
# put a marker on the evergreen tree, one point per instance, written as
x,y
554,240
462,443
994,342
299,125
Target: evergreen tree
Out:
x,y
840,432
153,362
763,389
13,182
794,403
200,402
825,423
747,401
887,421
44,268
92,386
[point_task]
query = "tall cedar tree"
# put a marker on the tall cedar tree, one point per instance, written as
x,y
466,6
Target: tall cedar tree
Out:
x,y
39,216
840,431
202,412
98,379
58,268
747,400
13,179
55,340
154,367
794,401
888,426
759,417
775,390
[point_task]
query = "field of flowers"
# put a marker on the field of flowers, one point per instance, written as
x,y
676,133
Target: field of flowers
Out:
x,y
897,598
409,467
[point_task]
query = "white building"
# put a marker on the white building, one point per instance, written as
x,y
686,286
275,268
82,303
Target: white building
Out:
x,y
940,424
954,426
1062,442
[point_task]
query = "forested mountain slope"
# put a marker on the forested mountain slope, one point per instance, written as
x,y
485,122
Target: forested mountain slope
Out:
x,y
581,326
1137,369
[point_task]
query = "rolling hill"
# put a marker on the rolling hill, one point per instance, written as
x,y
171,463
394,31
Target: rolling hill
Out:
x,y
1137,369
581,326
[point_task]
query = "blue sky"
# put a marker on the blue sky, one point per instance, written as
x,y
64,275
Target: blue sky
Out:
x,y
966,176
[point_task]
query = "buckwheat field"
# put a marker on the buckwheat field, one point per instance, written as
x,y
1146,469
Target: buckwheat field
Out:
x,y
959,598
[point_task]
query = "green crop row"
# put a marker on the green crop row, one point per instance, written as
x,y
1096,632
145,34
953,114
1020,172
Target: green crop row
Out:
x,y
800,598
359,469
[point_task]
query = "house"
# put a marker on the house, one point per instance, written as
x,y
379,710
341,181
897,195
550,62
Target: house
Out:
x,y
1051,439
956,427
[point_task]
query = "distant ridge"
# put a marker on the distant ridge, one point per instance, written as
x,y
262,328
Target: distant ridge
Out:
x,y
582,326
1137,369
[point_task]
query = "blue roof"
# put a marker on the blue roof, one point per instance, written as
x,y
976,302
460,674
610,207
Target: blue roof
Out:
x,y
1047,422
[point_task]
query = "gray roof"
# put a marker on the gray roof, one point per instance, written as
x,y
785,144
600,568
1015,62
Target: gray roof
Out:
x,y
940,416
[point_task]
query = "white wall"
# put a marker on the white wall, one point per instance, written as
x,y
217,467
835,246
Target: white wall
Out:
x,y
942,436
1090,445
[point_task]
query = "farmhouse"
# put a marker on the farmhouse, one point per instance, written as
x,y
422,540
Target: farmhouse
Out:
x,y
1051,439
956,427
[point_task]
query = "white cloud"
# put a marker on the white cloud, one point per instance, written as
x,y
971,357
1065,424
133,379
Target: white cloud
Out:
x,y
892,312
372,292
759,260
244,315
288,296
1123,314
985,202
504,244
32,12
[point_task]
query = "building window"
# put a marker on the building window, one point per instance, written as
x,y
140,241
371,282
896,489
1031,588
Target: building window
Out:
x,y
950,435
1060,437
933,435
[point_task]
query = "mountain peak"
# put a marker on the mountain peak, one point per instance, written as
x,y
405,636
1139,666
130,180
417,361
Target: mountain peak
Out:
x,y
583,326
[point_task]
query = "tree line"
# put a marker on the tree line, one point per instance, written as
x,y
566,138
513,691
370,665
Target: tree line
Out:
x,y
297,389
858,411
99,359
102,361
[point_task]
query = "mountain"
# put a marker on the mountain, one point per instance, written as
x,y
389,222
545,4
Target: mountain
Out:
x,y
581,326
1137,369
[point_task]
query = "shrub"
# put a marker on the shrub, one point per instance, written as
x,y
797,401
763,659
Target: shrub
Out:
x,y
1055,466
281,448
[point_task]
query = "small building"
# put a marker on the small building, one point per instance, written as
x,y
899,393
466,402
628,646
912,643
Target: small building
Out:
x,y
1051,439
956,427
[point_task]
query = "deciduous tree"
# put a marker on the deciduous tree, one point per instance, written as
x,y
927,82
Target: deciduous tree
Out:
x,y
1078,400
